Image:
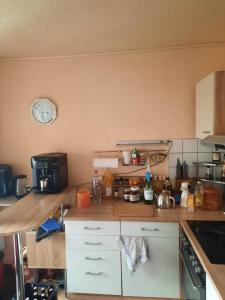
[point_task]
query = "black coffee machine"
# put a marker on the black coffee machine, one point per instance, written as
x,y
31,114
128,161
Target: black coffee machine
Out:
x,y
49,172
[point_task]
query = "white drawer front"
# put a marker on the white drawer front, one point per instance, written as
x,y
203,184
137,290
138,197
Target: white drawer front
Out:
x,y
91,242
92,227
93,272
150,229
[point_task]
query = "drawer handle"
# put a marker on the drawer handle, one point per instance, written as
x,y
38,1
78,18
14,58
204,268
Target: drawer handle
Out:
x,y
91,273
206,131
149,229
91,228
93,244
93,258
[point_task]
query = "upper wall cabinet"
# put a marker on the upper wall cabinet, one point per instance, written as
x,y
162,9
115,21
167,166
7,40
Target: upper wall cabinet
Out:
x,y
210,105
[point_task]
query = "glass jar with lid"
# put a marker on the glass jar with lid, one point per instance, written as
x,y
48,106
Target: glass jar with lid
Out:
x,y
135,194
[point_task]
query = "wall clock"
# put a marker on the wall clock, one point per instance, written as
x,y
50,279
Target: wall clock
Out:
x,y
43,111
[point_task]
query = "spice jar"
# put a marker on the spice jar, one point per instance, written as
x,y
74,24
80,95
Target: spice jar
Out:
x,y
135,194
126,195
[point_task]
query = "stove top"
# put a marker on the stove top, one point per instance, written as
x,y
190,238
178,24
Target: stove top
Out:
x,y
211,237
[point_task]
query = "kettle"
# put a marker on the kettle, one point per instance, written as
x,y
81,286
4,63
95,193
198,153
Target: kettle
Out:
x,y
20,186
164,200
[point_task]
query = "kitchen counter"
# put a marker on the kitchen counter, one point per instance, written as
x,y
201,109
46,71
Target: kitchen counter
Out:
x,y
31,211
104,212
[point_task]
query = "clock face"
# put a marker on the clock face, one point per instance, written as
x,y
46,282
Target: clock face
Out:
x,y
43,111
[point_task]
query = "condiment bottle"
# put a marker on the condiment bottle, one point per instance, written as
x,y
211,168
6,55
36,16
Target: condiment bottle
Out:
x,y
223,170
198,195
191,203
134,194
167,185
96,188
135,156
216,156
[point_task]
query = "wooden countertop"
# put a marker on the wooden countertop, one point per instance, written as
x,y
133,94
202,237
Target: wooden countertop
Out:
x,y
104,212
214,271
32,210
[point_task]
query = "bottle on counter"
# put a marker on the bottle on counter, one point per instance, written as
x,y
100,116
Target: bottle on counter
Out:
x,y
148,190
108,182
198,195
167,185
208,174
191,203
135,156
216,156
96,188
223,170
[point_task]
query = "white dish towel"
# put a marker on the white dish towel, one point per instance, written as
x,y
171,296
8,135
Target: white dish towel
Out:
x,y
135,251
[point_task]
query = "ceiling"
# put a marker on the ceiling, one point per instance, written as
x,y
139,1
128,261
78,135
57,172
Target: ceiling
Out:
x,y
40,28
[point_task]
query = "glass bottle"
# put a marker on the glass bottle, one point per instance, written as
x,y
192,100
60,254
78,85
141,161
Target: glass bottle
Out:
x,y
167,185
223,170
208,174
198,195
96,188
108,182
148,190
148,193
135,156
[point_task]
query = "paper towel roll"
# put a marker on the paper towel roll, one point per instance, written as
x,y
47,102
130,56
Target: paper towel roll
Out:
x,y
106,163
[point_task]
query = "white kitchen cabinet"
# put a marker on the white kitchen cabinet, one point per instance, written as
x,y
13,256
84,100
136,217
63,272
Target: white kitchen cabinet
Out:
x,y
94,272
159,277
210,103
211,293
93,257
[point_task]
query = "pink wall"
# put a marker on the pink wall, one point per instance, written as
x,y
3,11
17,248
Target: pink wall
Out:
x,y
100,99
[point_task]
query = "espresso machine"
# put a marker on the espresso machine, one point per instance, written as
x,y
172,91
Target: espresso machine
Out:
x,y
49,172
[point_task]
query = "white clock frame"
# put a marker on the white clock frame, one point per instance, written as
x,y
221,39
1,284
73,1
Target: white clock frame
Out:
x,y
51,107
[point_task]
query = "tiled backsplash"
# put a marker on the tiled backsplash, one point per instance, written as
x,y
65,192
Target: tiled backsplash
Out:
x,y
191,150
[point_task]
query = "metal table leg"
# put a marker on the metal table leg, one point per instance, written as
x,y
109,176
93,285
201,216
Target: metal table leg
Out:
x,y
18,258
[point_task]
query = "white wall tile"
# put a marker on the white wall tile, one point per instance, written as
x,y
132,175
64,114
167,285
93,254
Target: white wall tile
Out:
x,y
177,146
204,147
201,172
172,173
204,157
192,172
190,158
173,159
190,145
218,172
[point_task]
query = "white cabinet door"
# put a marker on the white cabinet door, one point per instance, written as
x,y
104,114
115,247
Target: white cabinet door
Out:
x,y
93,272
205,102
159,277
211,293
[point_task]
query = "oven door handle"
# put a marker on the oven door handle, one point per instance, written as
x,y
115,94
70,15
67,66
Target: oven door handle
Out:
x,y
195,284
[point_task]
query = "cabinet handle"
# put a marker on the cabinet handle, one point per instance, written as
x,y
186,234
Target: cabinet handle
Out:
x,y
91,228
93,258
149,229
92,244
206,131
92,273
